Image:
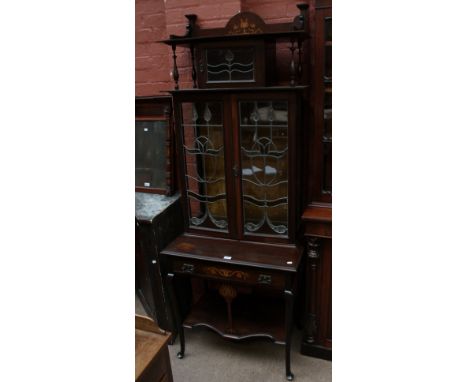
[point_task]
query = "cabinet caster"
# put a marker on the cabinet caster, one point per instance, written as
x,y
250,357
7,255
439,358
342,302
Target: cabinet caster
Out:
x,y
180,355
290,376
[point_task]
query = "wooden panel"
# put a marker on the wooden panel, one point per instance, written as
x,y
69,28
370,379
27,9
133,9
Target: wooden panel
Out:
x,y
323,4
318,229
147,324
151,236
318,213
325,291
151,356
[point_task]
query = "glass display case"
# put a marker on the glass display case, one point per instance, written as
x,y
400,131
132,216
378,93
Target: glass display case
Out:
x,y
154,145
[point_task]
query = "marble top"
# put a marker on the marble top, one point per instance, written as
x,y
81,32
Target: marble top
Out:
x,y
148,206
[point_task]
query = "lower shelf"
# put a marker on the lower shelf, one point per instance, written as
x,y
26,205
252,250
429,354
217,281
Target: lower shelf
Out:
x,y
252,317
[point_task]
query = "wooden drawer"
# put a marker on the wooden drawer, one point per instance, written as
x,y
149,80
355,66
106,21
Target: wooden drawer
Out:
x,y
244,275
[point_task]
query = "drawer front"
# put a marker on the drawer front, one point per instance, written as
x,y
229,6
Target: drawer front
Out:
x,y
237,274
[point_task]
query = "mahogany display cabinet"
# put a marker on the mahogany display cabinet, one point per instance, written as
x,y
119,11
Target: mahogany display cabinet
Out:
x,y
240,177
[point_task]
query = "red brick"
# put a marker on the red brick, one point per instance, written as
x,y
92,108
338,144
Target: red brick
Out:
x,y
143,63
157,20
175,16
208,12
177,29
269,12
181,4
146,89
228,10
152,49
292,10
149,6
146,35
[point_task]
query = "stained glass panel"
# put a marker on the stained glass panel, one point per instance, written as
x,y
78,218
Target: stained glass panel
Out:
x,y
203,135
230,65
264,160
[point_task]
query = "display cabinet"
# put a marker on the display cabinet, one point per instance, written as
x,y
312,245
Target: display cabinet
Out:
x,y
240,180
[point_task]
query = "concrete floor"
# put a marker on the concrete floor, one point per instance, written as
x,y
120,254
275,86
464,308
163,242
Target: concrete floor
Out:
x,y
209,358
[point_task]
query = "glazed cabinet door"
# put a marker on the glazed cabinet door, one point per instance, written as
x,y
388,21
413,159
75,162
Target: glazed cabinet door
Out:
x,y
203,150
265,131
238,161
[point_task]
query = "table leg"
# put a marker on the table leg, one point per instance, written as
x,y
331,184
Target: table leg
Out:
x,y
175,313
289,301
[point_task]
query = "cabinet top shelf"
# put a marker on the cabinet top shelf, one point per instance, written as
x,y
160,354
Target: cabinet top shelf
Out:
x,y
259,36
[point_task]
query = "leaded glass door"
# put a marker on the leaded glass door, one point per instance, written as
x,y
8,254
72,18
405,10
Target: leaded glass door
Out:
x,y
203,149
238,155
264,126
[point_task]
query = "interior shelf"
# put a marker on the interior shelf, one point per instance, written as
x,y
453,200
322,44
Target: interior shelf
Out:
x,y
252,317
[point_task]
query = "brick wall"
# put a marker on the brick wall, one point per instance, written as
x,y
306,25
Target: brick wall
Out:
x,y
157,19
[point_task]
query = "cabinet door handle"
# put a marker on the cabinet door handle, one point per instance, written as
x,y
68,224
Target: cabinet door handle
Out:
x,y
187,268
264,279
235,170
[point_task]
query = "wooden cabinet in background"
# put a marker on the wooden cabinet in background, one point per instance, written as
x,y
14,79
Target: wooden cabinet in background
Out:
x,y
158,215
158,221
317,217
317,335
152,362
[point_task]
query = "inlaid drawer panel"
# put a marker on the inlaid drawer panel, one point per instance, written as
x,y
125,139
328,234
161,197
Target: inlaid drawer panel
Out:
x,y
231,273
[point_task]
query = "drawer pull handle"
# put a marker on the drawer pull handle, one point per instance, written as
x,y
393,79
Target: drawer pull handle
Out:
x,y
187,268
264,279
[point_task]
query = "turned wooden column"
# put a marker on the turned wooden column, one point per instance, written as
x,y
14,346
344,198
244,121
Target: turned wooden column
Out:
x,y
292,65
299,64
